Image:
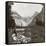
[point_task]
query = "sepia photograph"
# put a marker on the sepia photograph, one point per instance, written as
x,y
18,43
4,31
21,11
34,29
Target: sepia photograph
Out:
x,y
25,22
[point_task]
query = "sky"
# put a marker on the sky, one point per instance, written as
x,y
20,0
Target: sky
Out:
x,y
25,9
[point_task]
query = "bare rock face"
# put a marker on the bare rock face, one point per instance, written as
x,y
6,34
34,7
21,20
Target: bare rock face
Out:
x,y
40,19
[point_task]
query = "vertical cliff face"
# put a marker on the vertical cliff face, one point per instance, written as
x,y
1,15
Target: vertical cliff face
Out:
x,y
38,31
11,22
40,18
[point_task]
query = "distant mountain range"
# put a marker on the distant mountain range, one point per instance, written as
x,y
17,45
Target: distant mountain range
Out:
x,y
23,21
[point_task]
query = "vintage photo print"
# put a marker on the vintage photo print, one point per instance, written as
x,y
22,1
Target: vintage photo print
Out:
x,y
25,22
